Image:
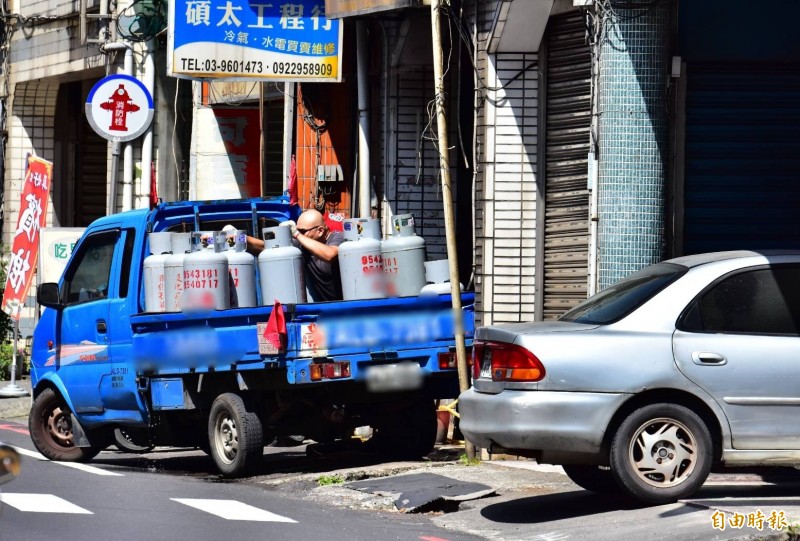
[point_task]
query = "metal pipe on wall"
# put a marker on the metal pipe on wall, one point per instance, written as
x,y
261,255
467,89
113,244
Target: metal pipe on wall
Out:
x,y
148,79
363,120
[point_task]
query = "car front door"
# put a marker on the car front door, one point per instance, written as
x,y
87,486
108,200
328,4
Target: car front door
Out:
x,y
740,341
82,355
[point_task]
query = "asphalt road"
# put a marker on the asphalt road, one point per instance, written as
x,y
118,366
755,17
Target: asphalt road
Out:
x,y
118,497
530,502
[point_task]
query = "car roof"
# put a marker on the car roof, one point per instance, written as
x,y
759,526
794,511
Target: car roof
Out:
x,y
712,257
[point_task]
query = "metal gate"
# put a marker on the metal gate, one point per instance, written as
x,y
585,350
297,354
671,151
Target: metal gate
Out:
x,y
741,188
567,121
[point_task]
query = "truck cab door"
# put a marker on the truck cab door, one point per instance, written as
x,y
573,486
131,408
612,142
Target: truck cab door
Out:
x,y
82,357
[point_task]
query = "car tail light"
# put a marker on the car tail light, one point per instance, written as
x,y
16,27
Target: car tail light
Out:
x,y
505,362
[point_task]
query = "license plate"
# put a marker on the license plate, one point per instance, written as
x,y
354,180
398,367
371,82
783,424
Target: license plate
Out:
x,y
486,364
394,377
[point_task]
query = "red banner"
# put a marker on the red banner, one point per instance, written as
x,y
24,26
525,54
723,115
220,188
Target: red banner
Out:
x,y
25,251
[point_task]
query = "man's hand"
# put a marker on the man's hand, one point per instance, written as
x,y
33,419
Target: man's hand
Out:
x,y
292,226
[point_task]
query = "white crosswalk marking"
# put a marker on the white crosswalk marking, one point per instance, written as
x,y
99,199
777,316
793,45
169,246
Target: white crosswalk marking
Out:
x,y
41,503
75,465
233,510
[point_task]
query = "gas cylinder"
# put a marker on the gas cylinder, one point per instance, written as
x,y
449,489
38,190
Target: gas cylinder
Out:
x,y
360,260
154,279
437,274
205,273
403,258
280,267
173,270
242,269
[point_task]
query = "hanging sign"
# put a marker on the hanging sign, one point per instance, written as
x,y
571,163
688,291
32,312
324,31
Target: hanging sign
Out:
x,y
55,248
25,247
253,39
119,108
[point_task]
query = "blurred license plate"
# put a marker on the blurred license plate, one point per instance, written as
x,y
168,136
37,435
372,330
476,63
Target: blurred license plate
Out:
x,y
394,377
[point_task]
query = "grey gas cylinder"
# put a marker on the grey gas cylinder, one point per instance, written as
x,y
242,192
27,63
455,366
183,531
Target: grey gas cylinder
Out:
x,y
360,260
242,270
403,258
280,267
437,274
173,271
205,273
154,278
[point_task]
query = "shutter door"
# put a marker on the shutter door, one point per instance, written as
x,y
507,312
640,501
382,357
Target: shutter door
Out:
x,y
568,118
741,188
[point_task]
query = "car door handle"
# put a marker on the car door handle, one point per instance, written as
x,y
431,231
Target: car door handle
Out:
x,y
708,358
101,326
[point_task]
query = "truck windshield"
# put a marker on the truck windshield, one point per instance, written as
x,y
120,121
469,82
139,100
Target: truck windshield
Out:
x,y
622,298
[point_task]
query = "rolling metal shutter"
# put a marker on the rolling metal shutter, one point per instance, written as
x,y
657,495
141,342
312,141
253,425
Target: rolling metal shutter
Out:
x,y
568,119
741,188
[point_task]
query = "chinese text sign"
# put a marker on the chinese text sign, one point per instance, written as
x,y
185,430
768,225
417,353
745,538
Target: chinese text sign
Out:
x,y
253,39
25,247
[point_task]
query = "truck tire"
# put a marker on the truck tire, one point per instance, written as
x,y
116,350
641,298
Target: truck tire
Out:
x,y
235,435
409,433
50,425
132,440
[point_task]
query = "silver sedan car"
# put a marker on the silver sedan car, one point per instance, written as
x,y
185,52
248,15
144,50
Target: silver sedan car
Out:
x,y
686,365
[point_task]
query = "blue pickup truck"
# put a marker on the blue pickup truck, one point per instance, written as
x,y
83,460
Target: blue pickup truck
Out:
x,y
102,366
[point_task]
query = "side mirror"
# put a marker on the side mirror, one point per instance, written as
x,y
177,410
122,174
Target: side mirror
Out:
x,y
9,463
48,295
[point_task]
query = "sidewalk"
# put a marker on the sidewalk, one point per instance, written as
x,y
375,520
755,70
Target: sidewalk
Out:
x,y
16,406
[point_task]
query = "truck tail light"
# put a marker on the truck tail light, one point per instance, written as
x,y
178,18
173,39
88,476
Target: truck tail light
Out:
x,y
334,370
447,361
506,362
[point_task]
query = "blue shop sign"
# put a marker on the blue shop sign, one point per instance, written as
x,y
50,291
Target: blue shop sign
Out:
x,y
253,39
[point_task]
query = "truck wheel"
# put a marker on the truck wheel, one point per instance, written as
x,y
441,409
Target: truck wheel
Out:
x,y
409,434
592,478
661,453
235,435
132,440
50,425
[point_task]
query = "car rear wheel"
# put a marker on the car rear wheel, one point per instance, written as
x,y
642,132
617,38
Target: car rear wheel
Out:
x,y
591,477
50,426
661,453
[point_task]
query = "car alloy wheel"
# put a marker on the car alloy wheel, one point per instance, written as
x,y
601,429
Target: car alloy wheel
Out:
x,y
661,453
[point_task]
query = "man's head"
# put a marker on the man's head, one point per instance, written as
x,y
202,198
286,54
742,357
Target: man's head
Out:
x,y
312,225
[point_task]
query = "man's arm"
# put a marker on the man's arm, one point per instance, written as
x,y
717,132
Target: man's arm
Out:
x,y
323,251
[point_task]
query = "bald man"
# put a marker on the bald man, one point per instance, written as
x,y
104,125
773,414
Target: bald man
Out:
x,y
320,248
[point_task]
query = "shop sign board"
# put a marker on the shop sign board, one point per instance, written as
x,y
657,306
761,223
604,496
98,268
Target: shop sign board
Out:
x,y
55,248
253,39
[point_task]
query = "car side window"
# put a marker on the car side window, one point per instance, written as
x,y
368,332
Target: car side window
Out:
x,y
89,274
761,301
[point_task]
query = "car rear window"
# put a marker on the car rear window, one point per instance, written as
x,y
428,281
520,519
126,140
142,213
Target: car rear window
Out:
x,y
622,298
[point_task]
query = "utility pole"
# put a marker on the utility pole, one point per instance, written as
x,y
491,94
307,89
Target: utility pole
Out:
x,y
447,199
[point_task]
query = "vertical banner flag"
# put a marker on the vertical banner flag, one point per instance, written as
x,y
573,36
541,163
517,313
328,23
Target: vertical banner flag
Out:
x,y
25,250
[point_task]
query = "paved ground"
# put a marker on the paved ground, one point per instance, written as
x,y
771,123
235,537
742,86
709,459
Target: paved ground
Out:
x,y
15,406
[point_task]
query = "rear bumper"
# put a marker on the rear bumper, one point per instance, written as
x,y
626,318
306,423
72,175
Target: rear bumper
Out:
x,y
553,423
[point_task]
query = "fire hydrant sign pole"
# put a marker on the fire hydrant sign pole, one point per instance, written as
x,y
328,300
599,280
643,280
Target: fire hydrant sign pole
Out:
x,y
119,108
447,198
